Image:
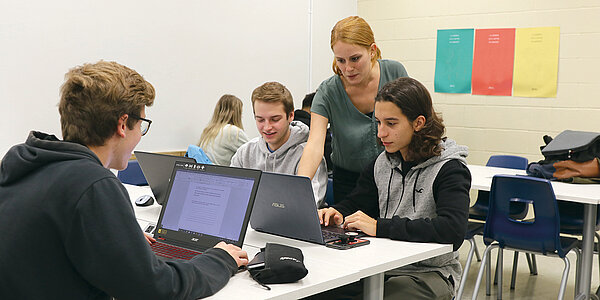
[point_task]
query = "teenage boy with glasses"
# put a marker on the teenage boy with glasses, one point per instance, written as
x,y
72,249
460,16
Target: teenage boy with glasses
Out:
x,y
144,125
69,230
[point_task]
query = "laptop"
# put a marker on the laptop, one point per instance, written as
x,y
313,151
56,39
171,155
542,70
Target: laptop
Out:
x,y
285,206
205,204
157,170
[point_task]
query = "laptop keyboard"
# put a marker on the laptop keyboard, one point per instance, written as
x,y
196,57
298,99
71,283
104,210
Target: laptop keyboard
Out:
x,y
330,236
170,251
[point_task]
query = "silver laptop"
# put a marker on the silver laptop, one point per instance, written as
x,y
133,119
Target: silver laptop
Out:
x,y
157,169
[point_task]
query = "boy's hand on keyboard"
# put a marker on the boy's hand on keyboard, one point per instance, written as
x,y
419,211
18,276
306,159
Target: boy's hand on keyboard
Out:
x,y
240,256
149,238
328,215
361,221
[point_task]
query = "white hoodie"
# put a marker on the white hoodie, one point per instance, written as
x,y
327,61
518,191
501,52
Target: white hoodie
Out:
x,y
255,155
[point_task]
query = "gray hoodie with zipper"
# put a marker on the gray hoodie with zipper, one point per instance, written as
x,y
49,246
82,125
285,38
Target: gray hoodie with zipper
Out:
x,y
255,155
411,196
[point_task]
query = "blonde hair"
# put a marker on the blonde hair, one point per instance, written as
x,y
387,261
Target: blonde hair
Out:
x,y
353,30
227,111
94,97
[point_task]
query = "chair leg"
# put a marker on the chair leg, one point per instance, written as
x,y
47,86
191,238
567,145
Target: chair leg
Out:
x,y
485,261
488,277
476,250
598,249
565,276
513,277
465,272
499,272
577,271
533,265
497,264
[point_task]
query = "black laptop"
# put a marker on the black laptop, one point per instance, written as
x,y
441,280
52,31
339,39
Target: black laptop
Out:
x,y
285,205
157,169
206,204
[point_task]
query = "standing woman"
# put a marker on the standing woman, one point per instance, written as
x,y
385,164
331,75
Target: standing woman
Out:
x,y
225,133
346,101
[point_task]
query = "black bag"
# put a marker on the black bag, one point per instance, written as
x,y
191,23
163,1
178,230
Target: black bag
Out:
x,y
569,145
276,263
579,146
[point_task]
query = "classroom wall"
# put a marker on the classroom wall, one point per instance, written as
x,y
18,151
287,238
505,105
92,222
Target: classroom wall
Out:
x,y
406,31
191,51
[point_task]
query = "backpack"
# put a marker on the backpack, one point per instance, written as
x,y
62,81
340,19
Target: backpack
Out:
x,y
572,154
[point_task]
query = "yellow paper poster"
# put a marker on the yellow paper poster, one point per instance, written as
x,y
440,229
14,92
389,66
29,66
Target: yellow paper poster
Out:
x,y
536,62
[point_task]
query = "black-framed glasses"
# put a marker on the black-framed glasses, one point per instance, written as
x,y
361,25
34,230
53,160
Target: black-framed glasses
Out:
x,y
145,126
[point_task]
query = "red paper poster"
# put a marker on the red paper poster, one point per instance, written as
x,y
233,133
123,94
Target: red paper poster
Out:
x,y
493,61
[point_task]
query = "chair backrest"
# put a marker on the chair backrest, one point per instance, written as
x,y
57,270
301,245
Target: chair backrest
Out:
x,y
504,161
329,194
132,174
539,235
508,161
198,154
572,213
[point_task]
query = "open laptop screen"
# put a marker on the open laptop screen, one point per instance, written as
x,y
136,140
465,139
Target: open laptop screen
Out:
x,y
157,169
208,201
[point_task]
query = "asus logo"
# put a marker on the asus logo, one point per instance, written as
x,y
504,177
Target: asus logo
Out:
x,y
278,205
194,239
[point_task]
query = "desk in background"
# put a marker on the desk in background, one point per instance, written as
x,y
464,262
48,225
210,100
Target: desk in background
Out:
x,y
327,268
587,194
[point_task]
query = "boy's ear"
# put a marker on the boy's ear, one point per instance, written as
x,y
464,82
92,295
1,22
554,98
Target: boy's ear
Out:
x,y
122,125
419,123
291,116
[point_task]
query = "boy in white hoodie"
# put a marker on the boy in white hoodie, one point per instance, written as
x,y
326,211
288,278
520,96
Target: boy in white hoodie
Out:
x,y
279,147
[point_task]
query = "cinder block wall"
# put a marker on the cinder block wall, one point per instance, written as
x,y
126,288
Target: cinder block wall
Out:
x,y
406,31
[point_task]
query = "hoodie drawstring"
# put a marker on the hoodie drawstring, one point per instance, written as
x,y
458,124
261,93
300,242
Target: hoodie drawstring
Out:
x,y
388,195
387,203
413,193
414,188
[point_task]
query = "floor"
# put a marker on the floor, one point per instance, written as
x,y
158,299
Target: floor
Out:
x,y
545,285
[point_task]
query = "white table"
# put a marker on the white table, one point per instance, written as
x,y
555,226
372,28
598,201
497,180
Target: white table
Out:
x,y
587,194
369,262
328,268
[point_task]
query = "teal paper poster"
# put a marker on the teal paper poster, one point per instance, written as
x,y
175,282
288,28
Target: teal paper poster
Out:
x,y
454,61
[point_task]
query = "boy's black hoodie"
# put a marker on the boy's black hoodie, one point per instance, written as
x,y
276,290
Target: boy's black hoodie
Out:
x,y
69,231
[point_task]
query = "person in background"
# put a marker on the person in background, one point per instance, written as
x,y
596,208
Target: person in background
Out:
x,y
417,190
224,134
303,115
69,229
279,147
346,101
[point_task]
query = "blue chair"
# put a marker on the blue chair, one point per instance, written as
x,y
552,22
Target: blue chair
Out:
x,y
540,234
479,212
198,154
132,174
571,222
329,194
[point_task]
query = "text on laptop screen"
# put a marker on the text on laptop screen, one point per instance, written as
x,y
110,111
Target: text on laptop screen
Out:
x,y
203,203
